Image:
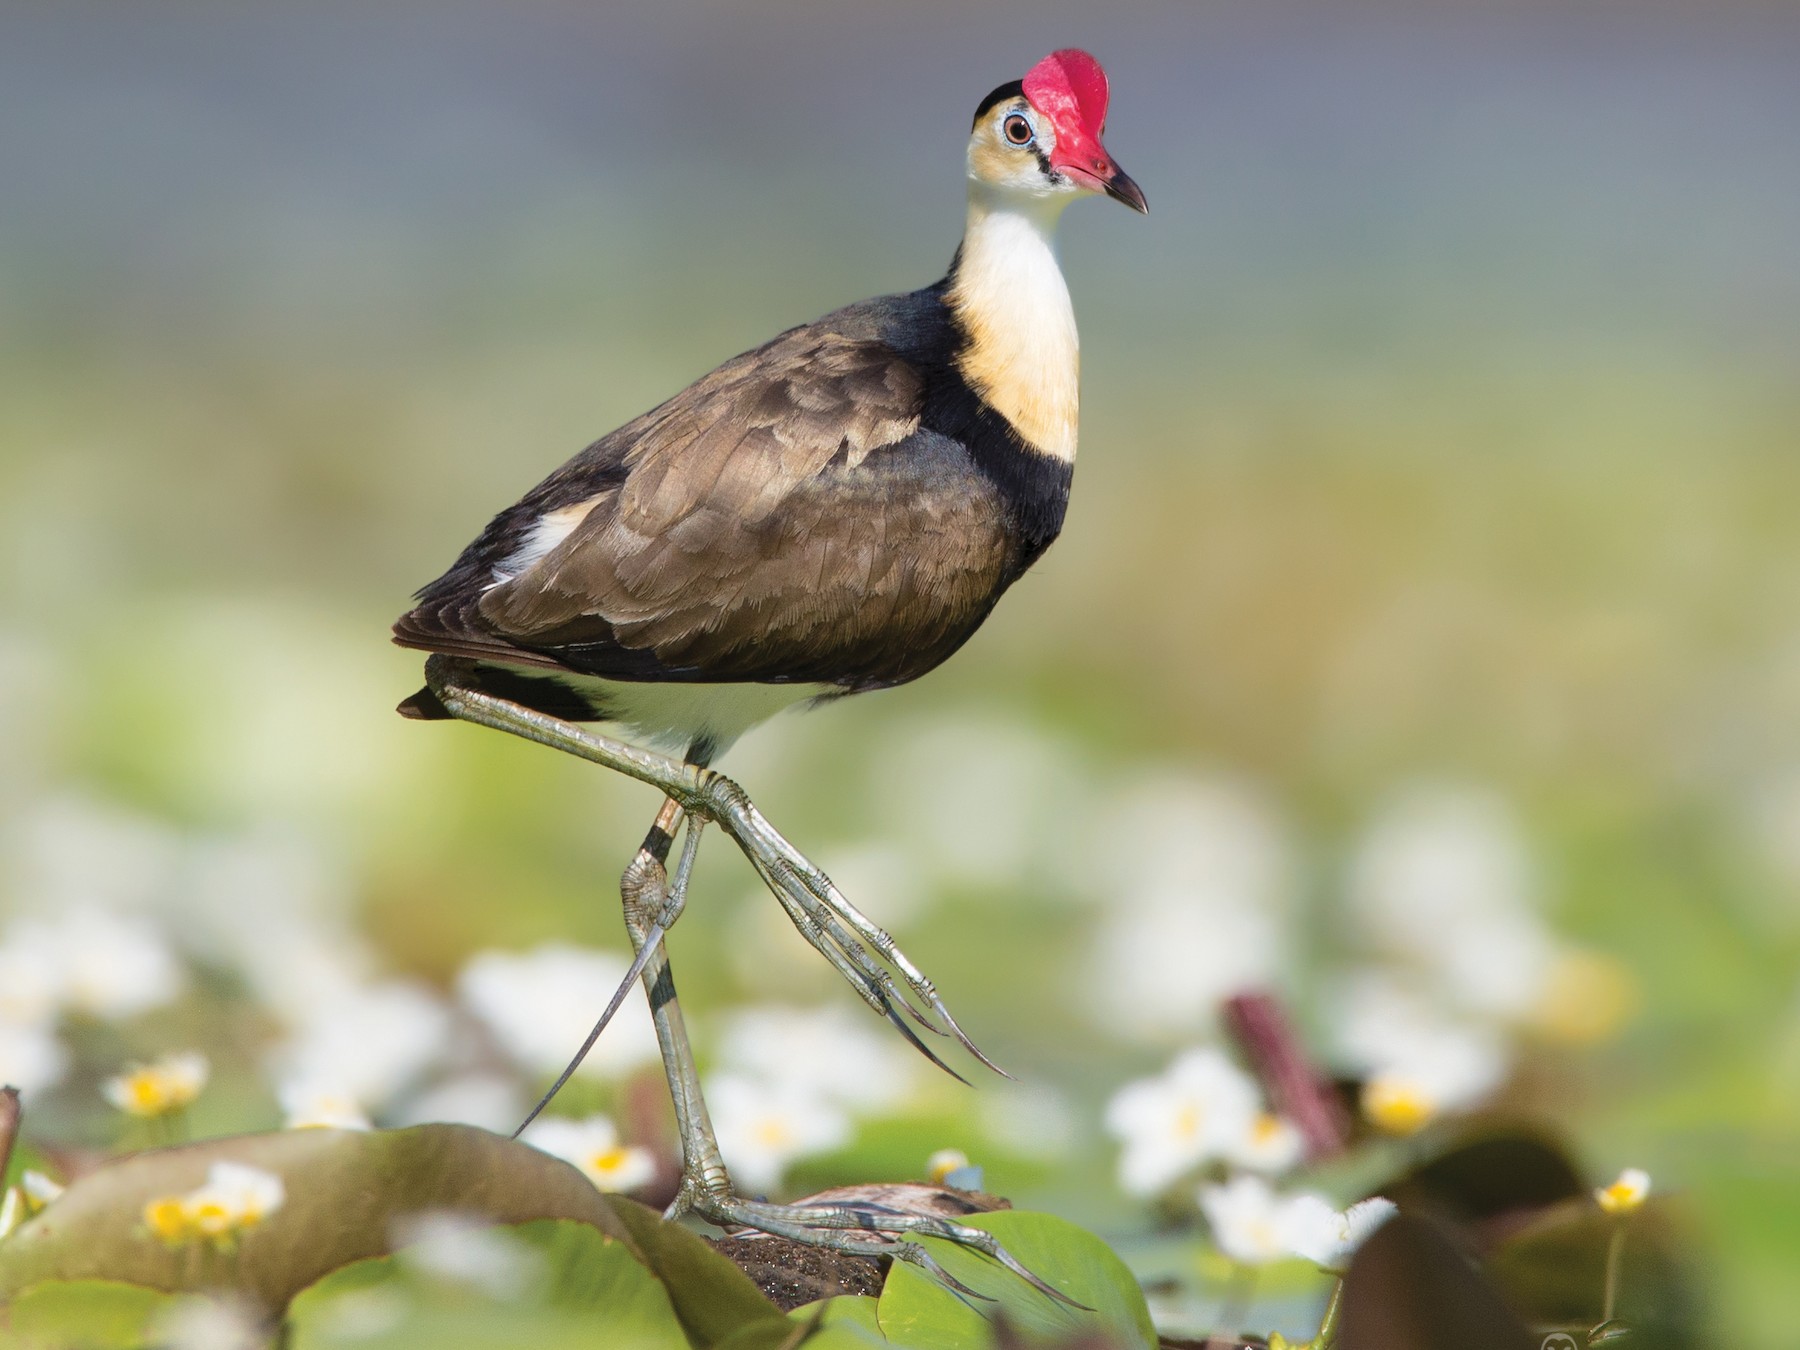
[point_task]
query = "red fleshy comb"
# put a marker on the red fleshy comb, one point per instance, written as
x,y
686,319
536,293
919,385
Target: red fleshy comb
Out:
x,y
1069,87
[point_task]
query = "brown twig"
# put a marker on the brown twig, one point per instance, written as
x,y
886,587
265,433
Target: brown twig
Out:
x,y
1296,1089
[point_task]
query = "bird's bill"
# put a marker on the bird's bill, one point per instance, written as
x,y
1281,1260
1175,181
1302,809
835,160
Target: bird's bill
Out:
x,y
1109,178
1121,187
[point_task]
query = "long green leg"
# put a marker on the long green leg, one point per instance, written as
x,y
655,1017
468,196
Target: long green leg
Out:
x,y
824,917
648,943
643,889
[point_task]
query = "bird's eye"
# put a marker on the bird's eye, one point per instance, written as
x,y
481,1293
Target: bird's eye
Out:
x,y
1016,129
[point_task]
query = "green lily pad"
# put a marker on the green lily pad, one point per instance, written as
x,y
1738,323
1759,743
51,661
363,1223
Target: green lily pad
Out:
x,y
580,1287
846,1322
916,1309
849,1320
90,1314
345,1189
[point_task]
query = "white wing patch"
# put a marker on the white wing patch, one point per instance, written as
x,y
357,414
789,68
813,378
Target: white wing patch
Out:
x,y
549,530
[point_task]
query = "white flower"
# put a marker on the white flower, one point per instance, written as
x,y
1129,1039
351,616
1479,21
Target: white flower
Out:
x,y
1417,1063
1254,1225
164,1085
820,1052
1625,1194
540,1006
945,1163
1443,881
1271,1146
371,1044
105,965
1197,1109
31,1058
1435,854
763,1127
1328,1237
12,1210
593,1146
236,1195
467,1250
37,1190
1247,1219
234,1199
116,966
308,1104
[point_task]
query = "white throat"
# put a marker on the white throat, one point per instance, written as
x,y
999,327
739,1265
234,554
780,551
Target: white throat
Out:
x,y
1023,356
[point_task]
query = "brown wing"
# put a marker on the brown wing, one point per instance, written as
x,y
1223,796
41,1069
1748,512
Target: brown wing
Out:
x,y
781,519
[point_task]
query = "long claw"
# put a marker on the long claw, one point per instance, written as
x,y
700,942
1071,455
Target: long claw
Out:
x,y
937,1006
819,925
921,1047
652,943
912,1009
915,1254
818,888
1019,1268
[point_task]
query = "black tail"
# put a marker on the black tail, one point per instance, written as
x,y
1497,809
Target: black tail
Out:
x,y
423,706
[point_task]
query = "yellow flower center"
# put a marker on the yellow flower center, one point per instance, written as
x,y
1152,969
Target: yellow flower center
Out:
x,y
1266,1130
609,1161
1624,1195
945,1161
1395,1106
1587,999
1187,1122
167,1218
773,1133
211,1217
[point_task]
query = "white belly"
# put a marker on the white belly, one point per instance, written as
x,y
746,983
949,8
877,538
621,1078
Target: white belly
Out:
x,y
673,716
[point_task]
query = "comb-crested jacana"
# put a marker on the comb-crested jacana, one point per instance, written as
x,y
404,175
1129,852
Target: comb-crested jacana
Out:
x,y
834,512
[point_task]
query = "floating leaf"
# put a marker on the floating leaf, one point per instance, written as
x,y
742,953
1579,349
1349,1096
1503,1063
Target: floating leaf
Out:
x,y
849,1320
91,1314
345,1189
592,1291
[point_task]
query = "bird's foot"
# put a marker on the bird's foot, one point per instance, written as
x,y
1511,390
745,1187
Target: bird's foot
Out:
x,y
876,1221
859,949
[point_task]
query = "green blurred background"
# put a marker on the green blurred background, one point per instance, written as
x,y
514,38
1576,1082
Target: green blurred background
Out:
x,y
1441,425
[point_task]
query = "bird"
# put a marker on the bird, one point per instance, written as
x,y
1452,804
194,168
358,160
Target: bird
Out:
x,y
834,512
